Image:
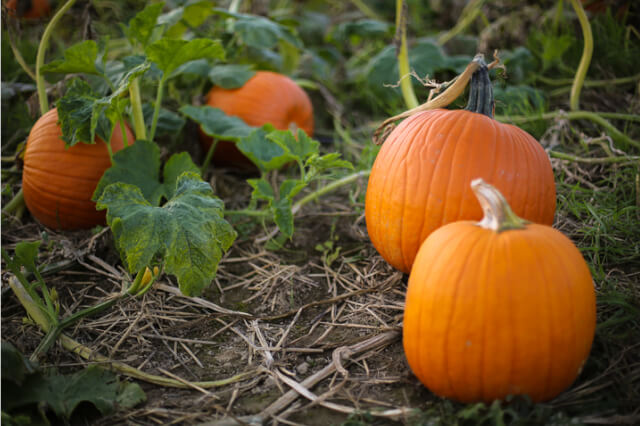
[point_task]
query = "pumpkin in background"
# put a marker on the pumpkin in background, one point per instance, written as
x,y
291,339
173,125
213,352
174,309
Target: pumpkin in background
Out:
x,y
58,182
420,178
498,307
28,9
267,97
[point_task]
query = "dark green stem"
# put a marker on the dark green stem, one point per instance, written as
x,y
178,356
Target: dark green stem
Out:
x,y
136,110
42,47
209,156
156,109
481,91
587,52
16,201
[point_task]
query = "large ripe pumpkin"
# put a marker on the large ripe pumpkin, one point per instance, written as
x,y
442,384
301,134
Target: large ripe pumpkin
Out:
x,y
498,307
28,9
267,97
420,178
58,182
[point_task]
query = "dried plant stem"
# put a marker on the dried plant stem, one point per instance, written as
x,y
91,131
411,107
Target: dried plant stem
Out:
x,y
372,343
40,318
581,72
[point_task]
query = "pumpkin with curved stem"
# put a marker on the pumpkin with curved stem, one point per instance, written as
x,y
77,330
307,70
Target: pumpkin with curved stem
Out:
x,y
58,182
420,178
267,97
499,307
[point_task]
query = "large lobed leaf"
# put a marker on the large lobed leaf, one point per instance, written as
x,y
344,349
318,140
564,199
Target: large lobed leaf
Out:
x,y
139,165
189,232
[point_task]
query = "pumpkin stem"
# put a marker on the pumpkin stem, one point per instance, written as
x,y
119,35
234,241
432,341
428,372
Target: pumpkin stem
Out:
x,y
455,89
498,215
481,91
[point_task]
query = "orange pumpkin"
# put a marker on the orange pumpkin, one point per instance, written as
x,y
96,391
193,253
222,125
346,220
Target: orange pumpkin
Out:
x,y
28,9
498,307
267,97
420,178
58,182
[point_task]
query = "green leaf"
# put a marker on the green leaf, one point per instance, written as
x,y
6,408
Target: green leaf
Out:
x,y
258,31
301,148
130,394
141,26
169,123
139,165
328,161
264,152
188,233
179,19
79,58
26,254
283,216
63,394
81,115
169,54
364,28
15,367
173,168
262,190
291,187
214,122
230,76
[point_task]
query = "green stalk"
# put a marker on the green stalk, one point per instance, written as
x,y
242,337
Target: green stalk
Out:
x,y
136,110
589,83
125,138
33,309
469,14
403,56
574,100
595,160
597,118
307,199
209,156
156,109
18,56
42,47
329,188
366,10
16,201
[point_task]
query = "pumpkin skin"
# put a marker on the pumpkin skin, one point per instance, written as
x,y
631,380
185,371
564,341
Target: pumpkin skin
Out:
x,y
420,178
267,97
28,9
58,182
491,313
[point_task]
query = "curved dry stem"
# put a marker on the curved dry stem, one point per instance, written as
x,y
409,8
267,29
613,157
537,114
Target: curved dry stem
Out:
x,y
444,99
